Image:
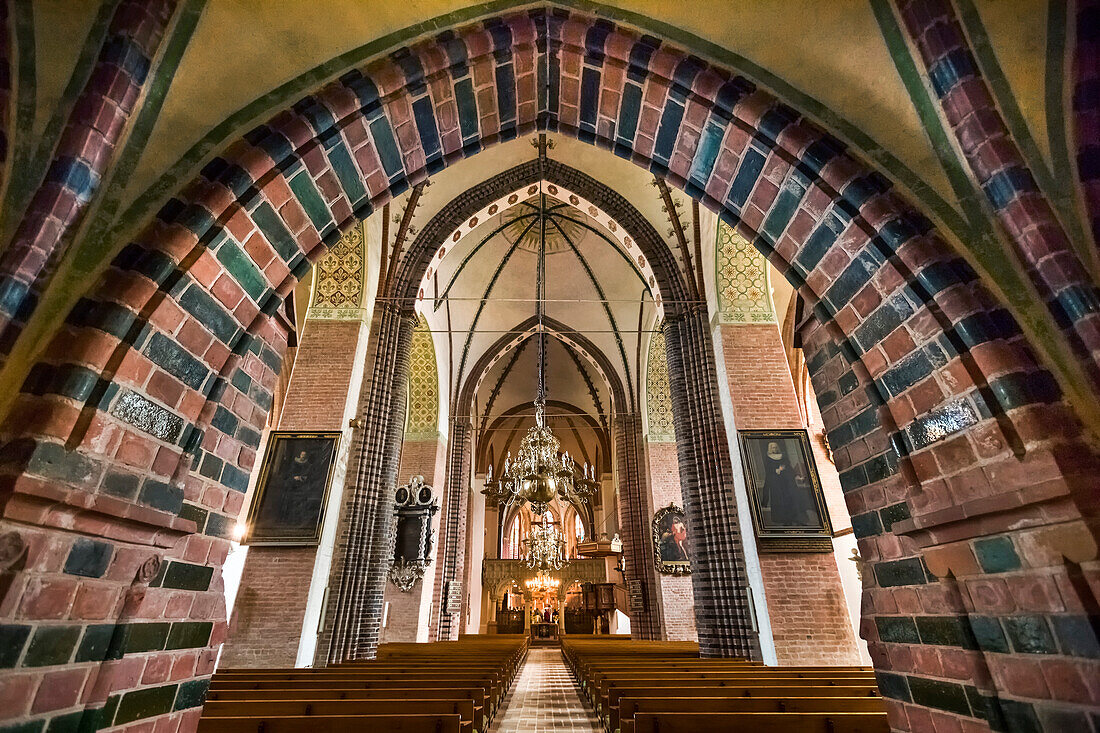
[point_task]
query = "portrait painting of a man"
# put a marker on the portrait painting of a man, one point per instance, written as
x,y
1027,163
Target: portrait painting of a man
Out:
x,y
289,502
670,541
783,484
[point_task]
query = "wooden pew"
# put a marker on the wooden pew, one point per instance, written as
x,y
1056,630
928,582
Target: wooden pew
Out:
x,y
770,722
665,687
411,723
632,706
441,686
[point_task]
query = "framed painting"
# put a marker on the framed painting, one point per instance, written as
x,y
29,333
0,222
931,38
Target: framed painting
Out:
x,y
289,503
788,508
671,541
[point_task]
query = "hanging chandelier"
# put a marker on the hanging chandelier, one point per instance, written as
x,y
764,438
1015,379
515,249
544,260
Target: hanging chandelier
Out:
x,y
543,582
544,547
540,470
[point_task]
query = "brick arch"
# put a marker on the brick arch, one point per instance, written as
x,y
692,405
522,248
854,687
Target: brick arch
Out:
x,y
957,451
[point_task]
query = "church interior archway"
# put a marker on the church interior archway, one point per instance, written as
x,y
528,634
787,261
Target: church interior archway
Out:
x,y
962,462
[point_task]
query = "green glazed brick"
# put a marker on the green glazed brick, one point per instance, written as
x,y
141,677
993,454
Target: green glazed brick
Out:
x,y
186,576
1030,635
897,629
12,639
145,637
945,631
192,694
189,634
997,554
989,634
146,703
95,643
51,645
941,695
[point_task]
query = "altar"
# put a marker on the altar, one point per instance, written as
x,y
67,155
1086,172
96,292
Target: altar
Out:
x,y
544,633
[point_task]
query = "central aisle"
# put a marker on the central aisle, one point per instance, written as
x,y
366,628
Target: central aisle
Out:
x,y
544,698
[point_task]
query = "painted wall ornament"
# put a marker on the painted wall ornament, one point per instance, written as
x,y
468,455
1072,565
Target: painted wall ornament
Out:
x,y
292,490
414,506
671,541
788,507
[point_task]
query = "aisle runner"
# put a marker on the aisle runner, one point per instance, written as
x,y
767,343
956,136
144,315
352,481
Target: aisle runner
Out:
x,y
544,698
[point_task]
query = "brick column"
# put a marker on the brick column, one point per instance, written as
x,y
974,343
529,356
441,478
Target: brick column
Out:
x,y
634,517
363,549
806,605
722,616
267,618
452,542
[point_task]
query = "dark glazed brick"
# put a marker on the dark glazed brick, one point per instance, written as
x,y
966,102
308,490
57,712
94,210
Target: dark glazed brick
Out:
x,y
122,485
191,694
209,313
893,686
997,554
894,513
32,726
989,634
941,695
1030,635
163,496
235,479
89,558
1077,635
1019,717
51,460
145,637
51,645
945,631
145,704
186,576
69,723
900,572
177,361
12,639
189,634
866,525
897,629
96,642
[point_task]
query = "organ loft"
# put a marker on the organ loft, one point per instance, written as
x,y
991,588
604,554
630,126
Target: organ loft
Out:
x,y
624,366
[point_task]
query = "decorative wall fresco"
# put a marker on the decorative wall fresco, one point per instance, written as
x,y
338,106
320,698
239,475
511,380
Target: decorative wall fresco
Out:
x,y
661,428
742,273
422,420
339,278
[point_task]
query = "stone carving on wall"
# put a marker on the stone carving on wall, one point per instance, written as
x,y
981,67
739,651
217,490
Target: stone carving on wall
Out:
x,y
744,294
422,416
661,427
339,278
414,506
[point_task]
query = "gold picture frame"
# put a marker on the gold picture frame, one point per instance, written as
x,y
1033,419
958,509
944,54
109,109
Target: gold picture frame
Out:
x,y
788,507
288,507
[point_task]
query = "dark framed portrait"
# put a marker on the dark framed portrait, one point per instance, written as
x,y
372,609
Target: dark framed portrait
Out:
x,y
783,485
671,541
295,476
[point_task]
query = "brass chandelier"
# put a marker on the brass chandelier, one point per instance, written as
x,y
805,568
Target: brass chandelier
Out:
x,y
544,548
540,470
543,582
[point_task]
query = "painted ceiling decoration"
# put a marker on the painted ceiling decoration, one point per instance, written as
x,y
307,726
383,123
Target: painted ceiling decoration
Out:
x,y
339,278
742,278
661,428
422,412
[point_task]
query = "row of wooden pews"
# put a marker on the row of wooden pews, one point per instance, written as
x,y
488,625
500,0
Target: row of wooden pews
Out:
x,y
665,687
443,687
